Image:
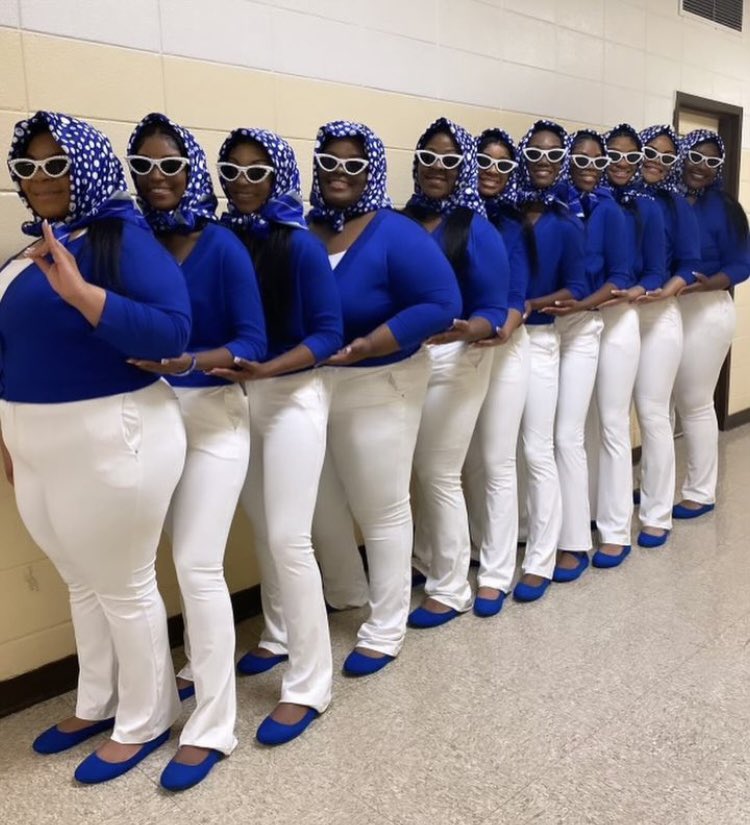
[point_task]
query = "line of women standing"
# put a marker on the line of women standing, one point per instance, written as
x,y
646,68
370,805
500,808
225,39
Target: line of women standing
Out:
x,y
307,352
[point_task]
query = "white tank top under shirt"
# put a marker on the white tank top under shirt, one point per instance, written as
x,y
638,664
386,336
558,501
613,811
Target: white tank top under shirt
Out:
x,y
335,259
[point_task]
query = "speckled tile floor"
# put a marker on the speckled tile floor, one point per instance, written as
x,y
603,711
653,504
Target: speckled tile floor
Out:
x,y
621,698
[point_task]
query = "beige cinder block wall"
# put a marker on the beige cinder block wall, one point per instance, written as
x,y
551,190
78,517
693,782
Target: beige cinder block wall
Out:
x,y
290,65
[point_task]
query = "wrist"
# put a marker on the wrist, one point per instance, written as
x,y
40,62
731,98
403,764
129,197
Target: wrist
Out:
x,y
190,368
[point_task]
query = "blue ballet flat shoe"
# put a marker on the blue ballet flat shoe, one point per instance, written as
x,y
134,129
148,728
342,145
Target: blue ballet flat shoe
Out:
x,y
424,619
678,511
484,608
94,770
357,664
530,593
603,560
636,497
186,692
179,777
271,732
647,540
564,574
250,664
54,740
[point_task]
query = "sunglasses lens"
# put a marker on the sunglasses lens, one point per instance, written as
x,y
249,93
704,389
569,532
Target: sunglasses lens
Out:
x,y
579,162
485,161
56,167
532,154
24,168
171,166
426,158
505,166
695,157
556,155
256,174
633,157
451,161
228,171
713,163
650,153
668,160
601,163
327,162
354,167
140,166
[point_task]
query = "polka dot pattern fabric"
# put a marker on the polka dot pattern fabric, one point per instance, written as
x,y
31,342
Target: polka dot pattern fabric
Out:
x,y
527,192
466,191
509,195
634,188
198,203
284,204
375,195
671,180
98,187
690,141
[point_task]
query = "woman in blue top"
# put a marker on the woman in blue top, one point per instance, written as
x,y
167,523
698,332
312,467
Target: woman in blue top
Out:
x,y
661,335
397,289
447,203
96,448
609,272
490,478
289,404
708,313
558,274
171,177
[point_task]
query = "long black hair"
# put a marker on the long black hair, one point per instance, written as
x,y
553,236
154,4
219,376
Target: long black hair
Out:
x,y
272,259
456,229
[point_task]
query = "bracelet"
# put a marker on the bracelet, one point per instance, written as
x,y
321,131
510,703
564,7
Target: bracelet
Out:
x,y
190,369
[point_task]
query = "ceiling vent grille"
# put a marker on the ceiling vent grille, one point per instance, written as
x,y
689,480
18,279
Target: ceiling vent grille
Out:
x,y
724,12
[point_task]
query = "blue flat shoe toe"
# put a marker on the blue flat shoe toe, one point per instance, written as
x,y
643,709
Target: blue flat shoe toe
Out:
x,y
423,618
271,732
94,770
678,511
484,608
530,593
250,664
647,540
53,740
565,574
179,777
605,561
186,692
357,664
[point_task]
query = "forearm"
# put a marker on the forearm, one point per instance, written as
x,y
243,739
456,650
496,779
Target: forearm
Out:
x,y
296,359
513,322
382,342
604,293
479,328
548,300
213,358
718,281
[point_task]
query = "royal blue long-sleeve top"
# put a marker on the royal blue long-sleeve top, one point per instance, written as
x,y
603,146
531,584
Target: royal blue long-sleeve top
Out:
x,y
312,316
50,354
722,248
395,274
225,301
485,279
683,247
607,250
510,225
561,260
646,242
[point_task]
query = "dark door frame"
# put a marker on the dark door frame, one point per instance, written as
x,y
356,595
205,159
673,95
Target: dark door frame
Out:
x,y
730,129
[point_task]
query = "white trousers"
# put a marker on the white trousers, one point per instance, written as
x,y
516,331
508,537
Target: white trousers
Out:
x,y
543,499
93,480
490,476
459,377
608,442
580,334
203,506
372,432
661,351
288,419
708,322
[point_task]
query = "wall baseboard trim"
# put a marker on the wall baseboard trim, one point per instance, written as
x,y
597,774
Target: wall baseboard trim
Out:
x,y
737,419
60,676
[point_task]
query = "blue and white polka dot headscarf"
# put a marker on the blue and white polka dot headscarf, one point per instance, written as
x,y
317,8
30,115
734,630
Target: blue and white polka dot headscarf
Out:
x,y
634,188
284,204
466,191
198,203
690,141
97,182
509,195
527,192
581,203
375,195
670,182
